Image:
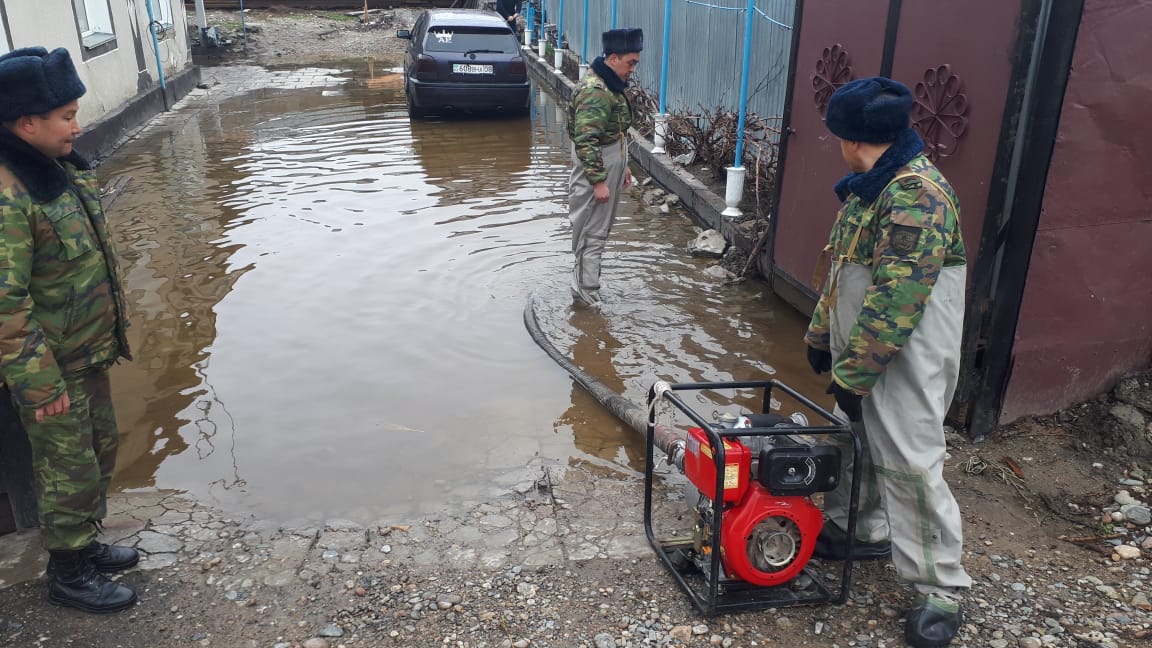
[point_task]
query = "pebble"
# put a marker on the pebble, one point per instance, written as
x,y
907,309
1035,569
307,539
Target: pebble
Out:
x,y
1123,498
1138,515
331,630
314,642
1126,552
604,640
1030,642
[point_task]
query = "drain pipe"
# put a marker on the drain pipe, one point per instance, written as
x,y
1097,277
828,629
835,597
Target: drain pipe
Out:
x,y
734,191
558,52
584,45
630,413
660,136
156,50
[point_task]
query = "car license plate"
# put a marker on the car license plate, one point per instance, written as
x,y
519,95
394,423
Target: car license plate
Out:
x,y
467,68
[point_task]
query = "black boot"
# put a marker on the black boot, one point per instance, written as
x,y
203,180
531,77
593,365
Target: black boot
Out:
x,y
933,623
105,558
76,583
832,544
110,558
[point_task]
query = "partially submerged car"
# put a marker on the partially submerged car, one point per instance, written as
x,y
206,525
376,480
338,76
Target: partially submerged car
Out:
x,y
463,59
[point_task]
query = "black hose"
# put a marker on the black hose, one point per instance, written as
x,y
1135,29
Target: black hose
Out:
x,y
630,413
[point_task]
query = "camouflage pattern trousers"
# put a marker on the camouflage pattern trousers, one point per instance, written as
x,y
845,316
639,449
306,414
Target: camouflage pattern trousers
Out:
x,y
73,456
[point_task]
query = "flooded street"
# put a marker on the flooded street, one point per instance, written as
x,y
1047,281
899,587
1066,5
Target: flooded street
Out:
x,y
327,303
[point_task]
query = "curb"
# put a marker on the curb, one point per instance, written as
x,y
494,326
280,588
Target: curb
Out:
x,y
102,137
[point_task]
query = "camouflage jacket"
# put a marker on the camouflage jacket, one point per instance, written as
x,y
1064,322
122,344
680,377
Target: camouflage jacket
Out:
x,y
61,304
597,116
906,237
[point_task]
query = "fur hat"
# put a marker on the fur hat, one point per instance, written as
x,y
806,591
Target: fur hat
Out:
x,y
623,41
871,110
37,81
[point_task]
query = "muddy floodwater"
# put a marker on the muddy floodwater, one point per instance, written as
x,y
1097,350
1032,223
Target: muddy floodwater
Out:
x,y
328,302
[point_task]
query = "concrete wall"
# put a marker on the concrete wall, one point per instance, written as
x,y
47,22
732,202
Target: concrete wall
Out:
x,y
116,76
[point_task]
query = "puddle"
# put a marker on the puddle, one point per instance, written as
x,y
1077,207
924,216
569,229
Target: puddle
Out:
x,y
328,305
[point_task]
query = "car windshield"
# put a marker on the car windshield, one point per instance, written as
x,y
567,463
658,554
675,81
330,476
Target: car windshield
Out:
x,y
470,39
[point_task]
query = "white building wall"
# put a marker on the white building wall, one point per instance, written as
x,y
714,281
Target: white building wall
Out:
x,y
112,77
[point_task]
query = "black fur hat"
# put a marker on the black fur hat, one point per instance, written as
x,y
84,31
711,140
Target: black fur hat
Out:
x,y
874,110
37,81
623,41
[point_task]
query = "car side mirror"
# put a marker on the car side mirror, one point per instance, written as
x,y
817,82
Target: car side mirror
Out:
x,y
404,33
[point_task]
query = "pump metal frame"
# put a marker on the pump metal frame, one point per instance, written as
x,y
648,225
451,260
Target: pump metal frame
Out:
x,y
717,593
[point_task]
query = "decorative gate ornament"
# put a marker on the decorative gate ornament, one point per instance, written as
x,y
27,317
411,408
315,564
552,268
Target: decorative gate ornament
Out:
x,y
941,112
832,71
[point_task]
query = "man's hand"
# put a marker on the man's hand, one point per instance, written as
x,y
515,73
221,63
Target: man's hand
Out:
x,y
848,401
600,192
55,408
627,178
819,360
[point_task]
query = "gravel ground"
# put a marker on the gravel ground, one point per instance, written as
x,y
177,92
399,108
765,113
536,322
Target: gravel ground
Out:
x,y
562,562
280,38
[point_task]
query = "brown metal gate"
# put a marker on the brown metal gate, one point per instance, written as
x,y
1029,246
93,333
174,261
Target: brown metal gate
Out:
x,y
978,71
958,60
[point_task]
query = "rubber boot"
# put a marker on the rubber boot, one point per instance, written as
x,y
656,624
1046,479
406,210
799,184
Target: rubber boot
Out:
x,y
76,583
933,623
832,544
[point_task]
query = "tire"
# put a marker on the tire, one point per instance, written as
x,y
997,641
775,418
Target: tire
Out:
x,y
414,111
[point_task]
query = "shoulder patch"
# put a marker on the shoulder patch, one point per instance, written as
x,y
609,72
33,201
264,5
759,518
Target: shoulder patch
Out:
x,y
911,183
905,238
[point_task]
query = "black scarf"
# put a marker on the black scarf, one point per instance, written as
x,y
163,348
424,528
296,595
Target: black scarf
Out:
x,y
611,79
44,177
869,184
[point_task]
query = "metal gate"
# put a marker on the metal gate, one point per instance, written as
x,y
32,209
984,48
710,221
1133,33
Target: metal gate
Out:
x,y
977,70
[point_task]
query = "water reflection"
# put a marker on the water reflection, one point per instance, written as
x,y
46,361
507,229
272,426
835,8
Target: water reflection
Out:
x,y
327,305
594,430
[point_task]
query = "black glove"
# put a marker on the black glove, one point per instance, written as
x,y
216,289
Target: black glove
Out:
x,y
848,401
820,361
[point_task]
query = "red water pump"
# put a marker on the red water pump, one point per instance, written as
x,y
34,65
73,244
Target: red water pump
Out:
x,y
752,478
770,524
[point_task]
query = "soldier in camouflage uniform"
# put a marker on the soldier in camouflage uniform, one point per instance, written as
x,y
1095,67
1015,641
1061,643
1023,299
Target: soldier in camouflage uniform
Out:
x,y
888,327
62,322
599,117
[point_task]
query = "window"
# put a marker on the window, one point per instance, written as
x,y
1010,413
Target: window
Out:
x,y
94,19
162,12
470,39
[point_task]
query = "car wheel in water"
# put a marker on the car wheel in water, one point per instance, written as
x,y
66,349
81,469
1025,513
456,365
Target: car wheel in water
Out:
x,y
414,111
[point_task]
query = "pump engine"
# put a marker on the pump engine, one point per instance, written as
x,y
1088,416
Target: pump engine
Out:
x,y
769,523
